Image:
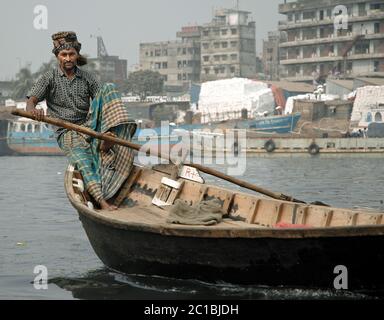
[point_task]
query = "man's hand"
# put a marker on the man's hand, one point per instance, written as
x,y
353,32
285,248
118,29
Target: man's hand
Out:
x,y
31,107
38,114
106,145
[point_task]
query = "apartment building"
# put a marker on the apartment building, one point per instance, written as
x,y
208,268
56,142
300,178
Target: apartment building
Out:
x,y
223,48
316,47
177,61
228,46
271,55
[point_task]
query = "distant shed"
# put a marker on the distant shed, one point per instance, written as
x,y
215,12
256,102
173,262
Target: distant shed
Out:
x,y
362,82
339,87
291,89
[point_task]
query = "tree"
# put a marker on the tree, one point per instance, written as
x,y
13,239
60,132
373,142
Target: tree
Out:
x,y
45,67
144,83
23,83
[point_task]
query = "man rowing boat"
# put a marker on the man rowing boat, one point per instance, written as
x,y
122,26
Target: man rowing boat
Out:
x,y
74,95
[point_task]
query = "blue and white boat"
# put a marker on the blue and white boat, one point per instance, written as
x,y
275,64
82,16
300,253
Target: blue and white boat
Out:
x,y
27,137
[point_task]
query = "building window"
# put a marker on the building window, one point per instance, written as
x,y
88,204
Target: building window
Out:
x,y
233,69
233,31
184,50
146,53
206,70
362,47
216,58
361,9
216,70
224,32
233,56
216,32
233,44
321,15
224,57
322,32
309,15
178,76
222,70
165,65
376,66
377,27
179,64
224,45
216,45
206,33
165,78
205,45
375,6
184,76
206,58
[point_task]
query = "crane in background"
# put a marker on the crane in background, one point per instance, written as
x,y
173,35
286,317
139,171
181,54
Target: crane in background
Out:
x,y
101,48
348,48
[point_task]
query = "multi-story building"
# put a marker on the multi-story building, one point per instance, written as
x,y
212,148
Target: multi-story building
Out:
x,y
228,46
223,48
108,68
318,46
271,56
177,61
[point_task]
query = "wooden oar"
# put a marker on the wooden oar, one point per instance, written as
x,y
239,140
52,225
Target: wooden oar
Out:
x,y
213,172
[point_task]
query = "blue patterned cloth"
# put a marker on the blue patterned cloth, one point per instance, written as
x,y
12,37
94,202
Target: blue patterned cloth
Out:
x,y
103,172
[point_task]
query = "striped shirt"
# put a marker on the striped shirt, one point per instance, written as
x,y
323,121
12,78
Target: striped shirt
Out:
x,y
67,99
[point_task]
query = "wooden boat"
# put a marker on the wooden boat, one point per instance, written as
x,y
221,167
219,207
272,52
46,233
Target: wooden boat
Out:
x,y
259,241
26,137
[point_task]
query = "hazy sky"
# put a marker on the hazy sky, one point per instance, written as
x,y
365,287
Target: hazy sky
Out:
x,y
122,24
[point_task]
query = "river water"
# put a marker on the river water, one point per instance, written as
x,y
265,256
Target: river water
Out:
x,y
38,226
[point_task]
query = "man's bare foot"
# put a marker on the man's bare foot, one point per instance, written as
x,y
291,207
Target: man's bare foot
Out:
x,y
106,206
106,145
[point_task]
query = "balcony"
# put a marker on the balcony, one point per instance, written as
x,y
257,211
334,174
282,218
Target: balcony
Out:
x,y
364,56
286,25
330,39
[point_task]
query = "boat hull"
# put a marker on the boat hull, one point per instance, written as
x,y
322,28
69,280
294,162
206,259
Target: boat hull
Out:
x,y
308,262
28,138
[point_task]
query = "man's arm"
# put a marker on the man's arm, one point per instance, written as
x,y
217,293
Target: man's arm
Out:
x,y
38,93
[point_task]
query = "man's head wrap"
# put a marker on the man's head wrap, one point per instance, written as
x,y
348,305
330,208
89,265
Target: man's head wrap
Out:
x,y
65,40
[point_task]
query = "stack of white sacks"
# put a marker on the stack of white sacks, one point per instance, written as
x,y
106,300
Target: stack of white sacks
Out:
x,y
224,99
368,99
308,96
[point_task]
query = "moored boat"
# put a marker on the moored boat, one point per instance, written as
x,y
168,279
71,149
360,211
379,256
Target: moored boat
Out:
x,y
259,240
26,137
